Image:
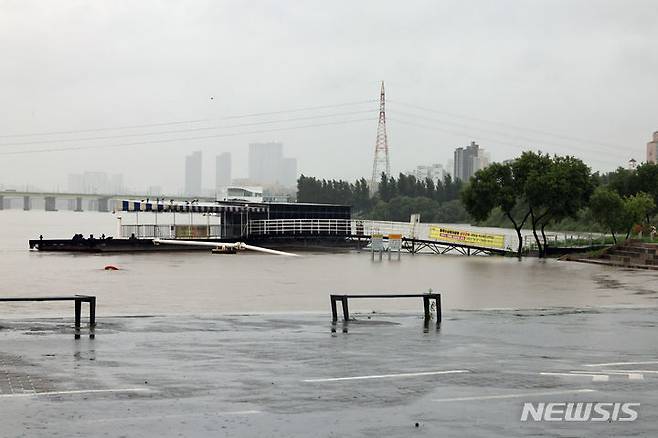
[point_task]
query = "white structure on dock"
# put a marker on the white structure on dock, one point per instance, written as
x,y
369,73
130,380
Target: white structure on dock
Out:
x,y
240,193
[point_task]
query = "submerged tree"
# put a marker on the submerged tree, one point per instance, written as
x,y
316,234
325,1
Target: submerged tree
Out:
x,y
496,186
607,209
535,187
532,175
554,188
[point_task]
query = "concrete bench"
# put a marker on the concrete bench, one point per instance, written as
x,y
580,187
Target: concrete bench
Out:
x,y
426,303
78,299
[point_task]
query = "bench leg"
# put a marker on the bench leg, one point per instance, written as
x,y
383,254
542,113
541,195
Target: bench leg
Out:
x,y
438,310
78,311
334,312
92,317
346,312
426,307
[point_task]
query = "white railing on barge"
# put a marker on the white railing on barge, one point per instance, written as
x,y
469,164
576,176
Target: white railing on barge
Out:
x,y
171,231
338,227
299,226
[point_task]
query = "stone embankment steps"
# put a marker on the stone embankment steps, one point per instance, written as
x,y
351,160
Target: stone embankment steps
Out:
x,y
629,254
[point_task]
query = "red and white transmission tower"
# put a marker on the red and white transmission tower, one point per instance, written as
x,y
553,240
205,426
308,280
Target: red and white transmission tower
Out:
x,y
381,163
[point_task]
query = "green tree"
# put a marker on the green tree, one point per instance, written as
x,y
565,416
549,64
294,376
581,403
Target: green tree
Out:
x,y
361,198
401,208
497,186
384,191
624,181
647,176
637,208
531,174
609,210
631,182
451,212
557,188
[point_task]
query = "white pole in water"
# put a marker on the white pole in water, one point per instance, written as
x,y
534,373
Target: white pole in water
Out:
x,y
236,245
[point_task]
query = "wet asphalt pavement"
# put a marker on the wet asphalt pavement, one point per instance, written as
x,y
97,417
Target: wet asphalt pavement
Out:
x,y
291,375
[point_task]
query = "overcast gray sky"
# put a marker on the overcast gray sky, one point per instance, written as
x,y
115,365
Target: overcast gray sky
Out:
x,y
506,74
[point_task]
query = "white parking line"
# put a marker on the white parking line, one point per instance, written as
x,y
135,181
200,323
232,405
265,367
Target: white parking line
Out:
x,y
518,395
632,371
80,391
631,375
385,376
162,417
595,377
614,364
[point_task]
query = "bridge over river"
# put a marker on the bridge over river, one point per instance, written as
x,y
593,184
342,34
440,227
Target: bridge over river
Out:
x,y
76,201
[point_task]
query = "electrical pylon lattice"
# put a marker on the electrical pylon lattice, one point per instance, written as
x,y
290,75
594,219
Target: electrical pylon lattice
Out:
x,y
381,162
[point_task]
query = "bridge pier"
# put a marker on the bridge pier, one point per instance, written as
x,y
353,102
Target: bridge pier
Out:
x,y
78,204
27,203
51,203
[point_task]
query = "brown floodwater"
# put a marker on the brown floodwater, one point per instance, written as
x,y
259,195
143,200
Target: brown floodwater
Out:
x,y
199,282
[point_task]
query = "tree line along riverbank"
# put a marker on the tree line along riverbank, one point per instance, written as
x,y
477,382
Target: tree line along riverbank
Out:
x,y
534,191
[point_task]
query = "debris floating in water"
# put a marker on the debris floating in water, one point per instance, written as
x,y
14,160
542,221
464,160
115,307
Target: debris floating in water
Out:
x,y
111,268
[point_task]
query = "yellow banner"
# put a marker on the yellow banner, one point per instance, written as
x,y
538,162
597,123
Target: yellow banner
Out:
x,y
467,237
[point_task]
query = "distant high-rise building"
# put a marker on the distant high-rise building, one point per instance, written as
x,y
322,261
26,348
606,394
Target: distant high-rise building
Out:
x,y
435,172
288,172
652,152
469,160
264,162
193,174
116,184
75,183
267,165
95,183
154,190
223,170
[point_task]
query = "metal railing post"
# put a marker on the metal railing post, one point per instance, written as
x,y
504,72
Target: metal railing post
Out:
x,y
78,311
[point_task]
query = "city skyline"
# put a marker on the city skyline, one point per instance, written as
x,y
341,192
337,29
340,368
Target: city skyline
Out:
x,y
222,166
269,166
195,82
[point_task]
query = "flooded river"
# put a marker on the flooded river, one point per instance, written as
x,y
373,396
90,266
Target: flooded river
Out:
x,y
201,283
